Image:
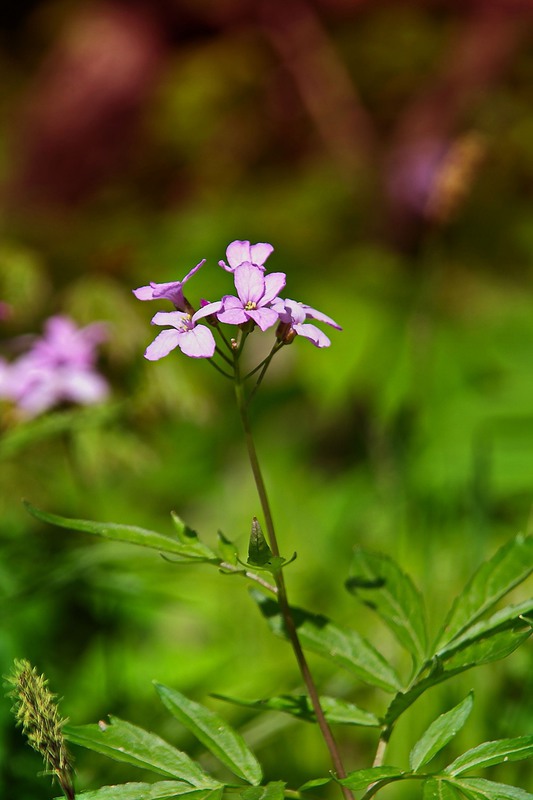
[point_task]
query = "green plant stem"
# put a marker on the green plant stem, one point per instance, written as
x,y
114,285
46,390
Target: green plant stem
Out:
x,y
381,748
290,626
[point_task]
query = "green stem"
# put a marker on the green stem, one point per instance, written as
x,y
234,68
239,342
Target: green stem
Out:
x,y
286,613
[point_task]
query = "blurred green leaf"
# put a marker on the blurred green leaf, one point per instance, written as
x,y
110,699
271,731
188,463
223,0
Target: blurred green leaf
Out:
x,y
123,741
439,733
189,538
380,584
227,549
336,711
362,778
162,790
192,552
488,753
210,729
345,648
511,565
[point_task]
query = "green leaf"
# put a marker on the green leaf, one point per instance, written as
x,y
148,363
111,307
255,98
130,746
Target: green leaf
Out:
x,y
362,778
162,790
193,552
227,549
507,618
123,741
275,790
225,743
439,733
345,648
435,789
482,789
189,538
488,753
380,584
259,553
335,710
511,565
313,784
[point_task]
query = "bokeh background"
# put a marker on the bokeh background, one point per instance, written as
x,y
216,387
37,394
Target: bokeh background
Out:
x,y
386,151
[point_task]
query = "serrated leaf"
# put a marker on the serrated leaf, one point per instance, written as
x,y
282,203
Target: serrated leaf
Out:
x,y
380,584
214,733
129,533
439,733
162,790
259,553
345,648
482,789
435,789
275,790
511,565
488,753
362,778
336,711
123,741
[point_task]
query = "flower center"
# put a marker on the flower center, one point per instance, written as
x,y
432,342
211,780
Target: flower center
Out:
x,y
250,306
185,323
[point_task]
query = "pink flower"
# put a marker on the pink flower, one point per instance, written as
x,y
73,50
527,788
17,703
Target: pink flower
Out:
x,y
255,291
292,316
193,340
172,291
239,253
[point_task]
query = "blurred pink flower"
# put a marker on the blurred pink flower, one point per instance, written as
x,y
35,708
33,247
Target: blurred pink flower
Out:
x,y
243,252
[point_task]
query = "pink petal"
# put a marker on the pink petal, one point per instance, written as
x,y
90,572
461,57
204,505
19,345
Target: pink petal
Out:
x,y
312,313
263,317
162,345
237,252
232,316
260,252
250,283
144,293
198,343
274,283
193,270
207,310
174,318
314,334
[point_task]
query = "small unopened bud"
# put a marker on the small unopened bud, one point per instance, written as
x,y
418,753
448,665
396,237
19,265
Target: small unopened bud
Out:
x,y
234,344
285,334
36,711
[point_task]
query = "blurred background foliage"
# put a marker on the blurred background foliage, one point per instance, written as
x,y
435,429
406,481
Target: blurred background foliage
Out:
x,y
386,150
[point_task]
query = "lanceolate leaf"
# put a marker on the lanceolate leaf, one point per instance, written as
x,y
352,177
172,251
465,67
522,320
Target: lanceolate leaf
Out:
x,y
481,789
439,733
344,648
362,778
488,753
210,729
162,790
436,789
275,790
123,741
493,580
335,710
381,585
508,618
193,551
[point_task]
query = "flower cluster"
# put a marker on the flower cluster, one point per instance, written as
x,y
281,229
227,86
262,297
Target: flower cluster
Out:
x,y
58,367
256,303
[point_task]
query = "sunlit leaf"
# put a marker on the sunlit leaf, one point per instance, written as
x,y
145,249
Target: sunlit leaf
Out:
x,y
439,733
123,741
380,584
272,791
435,789
362,778
482,789
345,648
193,552
511,565
336,711
488,753
210,729
507,618
162,790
